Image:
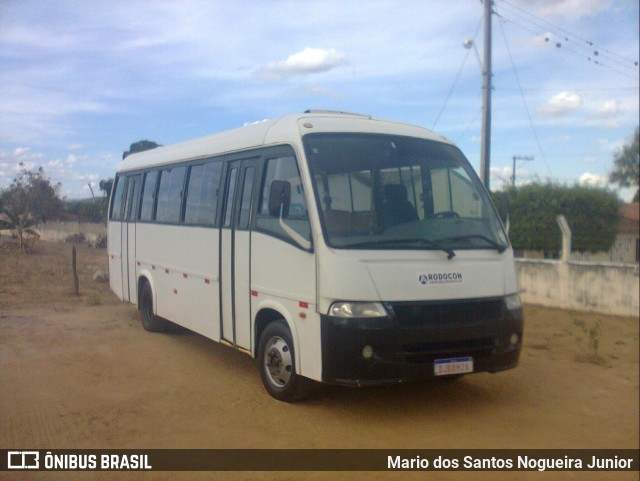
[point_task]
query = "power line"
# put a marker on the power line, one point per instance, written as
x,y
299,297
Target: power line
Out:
x,y
455,81
468,127
453,85
524,100
561,46
586,43
611,89
590,52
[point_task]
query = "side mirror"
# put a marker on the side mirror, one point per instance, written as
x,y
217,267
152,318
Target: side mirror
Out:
x,y
279,199
279,202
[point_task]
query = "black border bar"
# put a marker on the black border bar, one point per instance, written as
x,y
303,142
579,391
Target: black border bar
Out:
x,y
319,460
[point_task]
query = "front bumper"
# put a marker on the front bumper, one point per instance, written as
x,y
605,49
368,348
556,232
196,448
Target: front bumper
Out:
x,y
406,343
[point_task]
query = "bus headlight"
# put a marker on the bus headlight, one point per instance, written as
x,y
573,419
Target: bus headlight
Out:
x,y
513,302
357,309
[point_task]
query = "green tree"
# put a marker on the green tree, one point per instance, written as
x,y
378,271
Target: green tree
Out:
x,y
626,171
105,186
32,193
140,146
592,213
21,222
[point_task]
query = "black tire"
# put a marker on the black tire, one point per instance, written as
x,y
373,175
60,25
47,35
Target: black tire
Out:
x,y
150,321
276,359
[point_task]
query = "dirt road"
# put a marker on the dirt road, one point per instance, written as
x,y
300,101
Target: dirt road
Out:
x,y
82,373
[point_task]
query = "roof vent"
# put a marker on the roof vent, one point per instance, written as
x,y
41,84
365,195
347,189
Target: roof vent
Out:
x,y
335,112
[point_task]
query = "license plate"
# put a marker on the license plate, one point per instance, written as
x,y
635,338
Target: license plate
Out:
x,y
458,365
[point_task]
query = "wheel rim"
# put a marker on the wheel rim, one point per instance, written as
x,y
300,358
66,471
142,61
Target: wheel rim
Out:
x,y
278,362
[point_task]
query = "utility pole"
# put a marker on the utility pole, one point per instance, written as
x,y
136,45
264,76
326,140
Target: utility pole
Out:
x,y
485,154
513,172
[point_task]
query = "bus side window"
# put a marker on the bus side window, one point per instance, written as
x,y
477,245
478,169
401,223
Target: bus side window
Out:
x,y
284,168
247,195
133,197
170,195
117,200
202,194
148,195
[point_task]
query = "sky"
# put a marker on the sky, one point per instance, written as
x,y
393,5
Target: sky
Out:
x,y
80,81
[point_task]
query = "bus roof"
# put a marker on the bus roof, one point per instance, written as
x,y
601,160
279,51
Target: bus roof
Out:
x,y
287,129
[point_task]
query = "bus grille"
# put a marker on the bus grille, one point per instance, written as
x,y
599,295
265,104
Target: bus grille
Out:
x,y
447,314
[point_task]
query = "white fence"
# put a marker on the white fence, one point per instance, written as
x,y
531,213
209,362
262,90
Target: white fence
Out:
x,y
585,286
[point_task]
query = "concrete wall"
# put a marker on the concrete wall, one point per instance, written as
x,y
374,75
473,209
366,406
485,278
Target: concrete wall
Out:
x,y
587,286
59,231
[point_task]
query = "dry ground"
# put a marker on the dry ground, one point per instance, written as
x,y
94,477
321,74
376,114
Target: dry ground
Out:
x,y
80,372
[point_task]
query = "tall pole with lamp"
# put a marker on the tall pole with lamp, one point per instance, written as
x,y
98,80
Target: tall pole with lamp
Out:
x,y
485,155
485,152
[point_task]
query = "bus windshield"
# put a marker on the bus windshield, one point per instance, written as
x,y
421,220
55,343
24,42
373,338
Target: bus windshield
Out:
x,y
393,192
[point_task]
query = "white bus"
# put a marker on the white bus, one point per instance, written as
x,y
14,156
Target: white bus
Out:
x,y
332,247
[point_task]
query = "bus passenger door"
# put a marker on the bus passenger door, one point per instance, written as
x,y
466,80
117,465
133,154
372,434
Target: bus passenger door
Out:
x,y
235,253
129,285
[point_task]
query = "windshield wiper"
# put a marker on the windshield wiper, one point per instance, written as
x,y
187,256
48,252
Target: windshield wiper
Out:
x,y
417,240
496,245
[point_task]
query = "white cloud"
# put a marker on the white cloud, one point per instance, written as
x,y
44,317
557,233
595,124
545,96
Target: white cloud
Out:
x,y
605,114
20,151
18,159
308,61
538,41
608,109
593,180
562,104
501,174
504,175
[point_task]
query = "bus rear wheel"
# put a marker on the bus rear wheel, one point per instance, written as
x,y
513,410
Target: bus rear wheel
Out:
x,y
150,321
277,364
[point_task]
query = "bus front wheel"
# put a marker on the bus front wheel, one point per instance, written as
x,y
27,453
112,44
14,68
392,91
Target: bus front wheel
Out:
x,y
277,364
